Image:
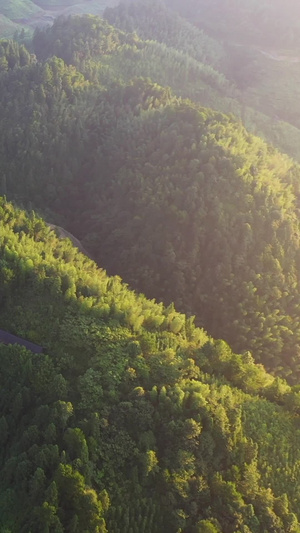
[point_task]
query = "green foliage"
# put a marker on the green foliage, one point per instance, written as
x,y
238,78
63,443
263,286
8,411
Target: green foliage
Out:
x,y
215,187
18,9
154,22
133,419
264,23
221,236
128,424
7,27
256,89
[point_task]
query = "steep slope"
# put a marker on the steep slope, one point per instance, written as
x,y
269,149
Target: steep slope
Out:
x,y
206,216
267,23
261,55
154,22
259,90
266,109
180,201
123,417
7,27
17,16
18,9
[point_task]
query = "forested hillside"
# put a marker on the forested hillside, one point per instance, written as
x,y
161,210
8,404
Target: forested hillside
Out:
x,y
264,82
271,23
132,420
20,17
180,201
261,50
129,133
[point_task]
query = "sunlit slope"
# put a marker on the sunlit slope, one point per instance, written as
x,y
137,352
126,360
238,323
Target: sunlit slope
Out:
x,y
246,81
206,215
181,201
132,418
261,50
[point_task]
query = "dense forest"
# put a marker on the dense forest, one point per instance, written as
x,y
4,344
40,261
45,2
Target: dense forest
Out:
x,y
264,81
133,135
267,23
133,419
19,18
179,200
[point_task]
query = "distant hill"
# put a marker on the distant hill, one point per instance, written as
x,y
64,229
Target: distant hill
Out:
x,y
272,23
18,9
7,27
261,42
56,3
261,98
29,14
260,94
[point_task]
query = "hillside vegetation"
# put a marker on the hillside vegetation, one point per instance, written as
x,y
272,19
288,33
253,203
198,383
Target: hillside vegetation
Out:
x,y
19,16
180,201
132,419
271,23
18,9
259,90
261,51
195,63
7,27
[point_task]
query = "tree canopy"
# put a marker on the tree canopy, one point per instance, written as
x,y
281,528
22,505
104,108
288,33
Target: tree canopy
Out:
x,y
133,419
